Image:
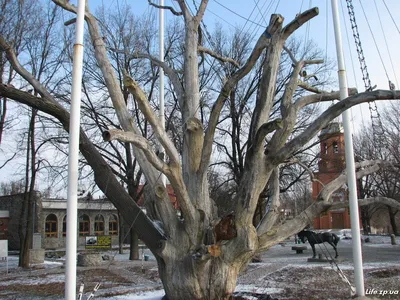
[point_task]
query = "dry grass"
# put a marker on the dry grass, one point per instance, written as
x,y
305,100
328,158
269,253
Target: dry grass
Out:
x,y
296,283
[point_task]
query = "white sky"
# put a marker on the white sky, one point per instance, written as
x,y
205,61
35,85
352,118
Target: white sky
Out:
x,y
251,15
233,13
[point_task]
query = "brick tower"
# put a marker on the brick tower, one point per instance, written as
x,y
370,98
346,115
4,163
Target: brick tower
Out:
x,y
330,165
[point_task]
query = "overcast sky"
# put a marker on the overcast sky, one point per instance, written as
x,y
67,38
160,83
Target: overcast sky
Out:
x,y
251,16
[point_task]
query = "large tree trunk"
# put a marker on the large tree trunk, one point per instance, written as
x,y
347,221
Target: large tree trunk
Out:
x,y
365,219
134,249
186,278
392,216
121,233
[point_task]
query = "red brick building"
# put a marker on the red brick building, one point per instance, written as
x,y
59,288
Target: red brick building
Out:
x,y
330,165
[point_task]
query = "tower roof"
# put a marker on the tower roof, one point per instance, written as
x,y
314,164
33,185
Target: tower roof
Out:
x,y
332,128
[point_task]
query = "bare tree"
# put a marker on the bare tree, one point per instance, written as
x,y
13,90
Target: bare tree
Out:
x,y
383,183
200,255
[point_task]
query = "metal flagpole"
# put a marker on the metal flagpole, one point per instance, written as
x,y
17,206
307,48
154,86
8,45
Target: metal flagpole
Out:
x,y
351,172
74,125
161,74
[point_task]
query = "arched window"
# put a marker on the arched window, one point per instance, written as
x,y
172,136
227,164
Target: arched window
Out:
x,y
335,147
65,226
51,226
325,148
113,225
84,225
99,225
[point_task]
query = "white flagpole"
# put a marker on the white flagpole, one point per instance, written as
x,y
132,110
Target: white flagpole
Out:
x,y
351,171
161,74
74,125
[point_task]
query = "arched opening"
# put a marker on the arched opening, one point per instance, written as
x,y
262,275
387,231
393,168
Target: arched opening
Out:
x,y
64,228
84,225
113,225
51,226
99,225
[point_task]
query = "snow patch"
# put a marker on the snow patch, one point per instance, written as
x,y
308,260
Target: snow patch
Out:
x,y
149,295
256,289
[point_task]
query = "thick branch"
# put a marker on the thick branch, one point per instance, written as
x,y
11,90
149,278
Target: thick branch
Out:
x,y
140,142
185,10
331,113
291,227
104,177
299,21
147,111
219,57
309,88
294,60
310,99
224,94
201,10
168,216
308,170
263,131
113,86
175,177
12,58
272,215
367,201
171,73
170,8
363,168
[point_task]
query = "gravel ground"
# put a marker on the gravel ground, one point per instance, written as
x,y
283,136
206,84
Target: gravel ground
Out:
x,y
281,274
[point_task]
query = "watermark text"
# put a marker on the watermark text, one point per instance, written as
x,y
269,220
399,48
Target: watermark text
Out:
x,y
381,292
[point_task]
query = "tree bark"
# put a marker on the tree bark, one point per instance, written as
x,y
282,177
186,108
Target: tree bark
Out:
x,y
392,217
134,249
121,234
197,258
190,279
26,224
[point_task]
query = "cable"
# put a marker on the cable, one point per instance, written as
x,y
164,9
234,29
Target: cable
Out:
x,y
241,30
218,16
332,261
227,8
277,5
387,47
256,4
255,30
326,32
378,132
307,34
353,68
391,17
301,6
373,37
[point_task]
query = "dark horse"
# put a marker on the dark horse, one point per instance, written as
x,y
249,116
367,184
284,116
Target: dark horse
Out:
x,y
318,238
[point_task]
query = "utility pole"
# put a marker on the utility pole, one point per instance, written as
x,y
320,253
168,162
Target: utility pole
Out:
x,y
350,166
161,75
74,125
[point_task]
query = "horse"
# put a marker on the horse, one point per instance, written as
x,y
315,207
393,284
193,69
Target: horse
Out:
x,y
318,238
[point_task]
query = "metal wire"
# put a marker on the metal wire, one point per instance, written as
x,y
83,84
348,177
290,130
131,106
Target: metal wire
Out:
x,y
377,127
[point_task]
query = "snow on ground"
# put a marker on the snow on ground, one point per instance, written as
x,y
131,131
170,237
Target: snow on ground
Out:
x,y
277,260
151,295
256,289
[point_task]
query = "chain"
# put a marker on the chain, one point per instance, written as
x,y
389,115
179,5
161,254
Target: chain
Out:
x,y
377,128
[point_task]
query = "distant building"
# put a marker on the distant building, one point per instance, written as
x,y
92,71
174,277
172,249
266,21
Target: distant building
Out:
x,y
95,217
330,166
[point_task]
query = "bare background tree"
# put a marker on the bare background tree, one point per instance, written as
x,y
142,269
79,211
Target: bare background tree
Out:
x,y
200,253
385,182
